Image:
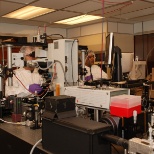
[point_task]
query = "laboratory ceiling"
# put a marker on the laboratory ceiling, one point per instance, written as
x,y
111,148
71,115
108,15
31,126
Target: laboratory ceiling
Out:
x,y
122,11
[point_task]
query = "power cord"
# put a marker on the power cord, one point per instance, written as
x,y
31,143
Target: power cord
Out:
x,y
14,123
39,141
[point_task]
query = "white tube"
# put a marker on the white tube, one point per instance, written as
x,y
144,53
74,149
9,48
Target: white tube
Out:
x,y
35,146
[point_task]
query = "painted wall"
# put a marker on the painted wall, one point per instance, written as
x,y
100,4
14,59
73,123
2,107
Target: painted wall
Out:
x,y
90,35
144,27
94,36
28,31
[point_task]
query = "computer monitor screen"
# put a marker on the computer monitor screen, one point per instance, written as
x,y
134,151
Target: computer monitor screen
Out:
x,y
109,49
127,62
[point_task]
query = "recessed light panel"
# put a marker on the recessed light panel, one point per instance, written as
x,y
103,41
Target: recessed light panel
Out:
x,y
78,19
28,12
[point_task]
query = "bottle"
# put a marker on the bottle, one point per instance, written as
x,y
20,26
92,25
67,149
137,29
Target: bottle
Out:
x,y
57,89
136,58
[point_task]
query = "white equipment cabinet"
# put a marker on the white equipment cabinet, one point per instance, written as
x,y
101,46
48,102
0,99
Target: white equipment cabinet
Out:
x,y
95,98
65,52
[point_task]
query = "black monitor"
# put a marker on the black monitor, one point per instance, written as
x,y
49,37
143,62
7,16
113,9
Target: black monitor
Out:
x,y
113,58
109,49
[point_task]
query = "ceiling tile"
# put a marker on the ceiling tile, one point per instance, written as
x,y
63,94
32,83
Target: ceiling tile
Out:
x,y
136,5
111,2
7,7
135,14
144,18
56,4
22,1
85,7
124,11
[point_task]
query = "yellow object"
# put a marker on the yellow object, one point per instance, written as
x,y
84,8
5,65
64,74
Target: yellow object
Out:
x,y
57,89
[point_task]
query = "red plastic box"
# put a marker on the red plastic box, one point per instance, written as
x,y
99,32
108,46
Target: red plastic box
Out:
x,y
124,112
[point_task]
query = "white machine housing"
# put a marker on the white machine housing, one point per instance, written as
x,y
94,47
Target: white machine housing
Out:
x,y
17,60
66,52
142,146
96,98
39,53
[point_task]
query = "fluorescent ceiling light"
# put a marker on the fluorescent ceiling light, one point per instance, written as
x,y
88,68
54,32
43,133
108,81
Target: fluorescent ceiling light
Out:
x,y
28,12
78,19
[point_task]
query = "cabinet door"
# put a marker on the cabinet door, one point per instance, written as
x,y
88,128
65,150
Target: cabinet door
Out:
x,y
140,45
144,49
150,53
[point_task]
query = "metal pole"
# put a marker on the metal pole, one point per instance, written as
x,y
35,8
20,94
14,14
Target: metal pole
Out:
x,y
83,64
3,55
9,64
96,115
1,82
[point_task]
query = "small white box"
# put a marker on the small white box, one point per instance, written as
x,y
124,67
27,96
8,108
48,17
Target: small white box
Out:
x,y
125,101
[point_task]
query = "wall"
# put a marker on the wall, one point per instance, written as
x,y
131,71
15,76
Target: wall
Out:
x,y
144,27
28,31
92,35
94,42
124,41
123,35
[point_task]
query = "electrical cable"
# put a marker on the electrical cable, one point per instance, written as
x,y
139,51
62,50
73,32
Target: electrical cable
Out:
x,y
102,38
21,82
28,89
63,70
14,123
39,141
3,54
107,2
124,4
